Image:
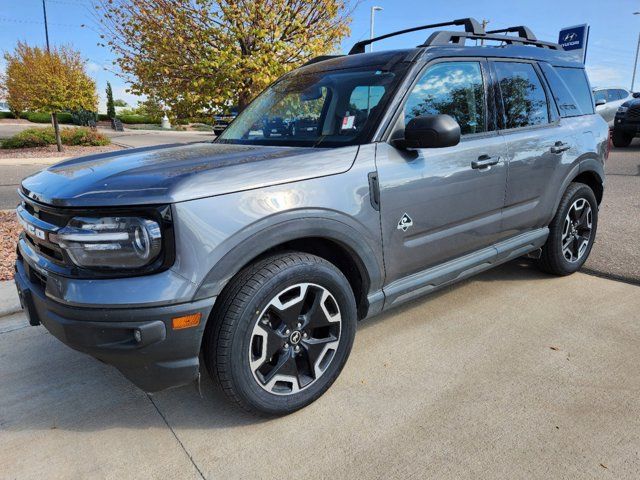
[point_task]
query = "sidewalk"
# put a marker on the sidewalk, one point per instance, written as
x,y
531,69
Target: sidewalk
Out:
x,y
9,301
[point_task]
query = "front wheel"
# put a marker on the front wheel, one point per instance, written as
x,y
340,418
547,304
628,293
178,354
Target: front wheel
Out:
x,y
571,232
621,140
282,334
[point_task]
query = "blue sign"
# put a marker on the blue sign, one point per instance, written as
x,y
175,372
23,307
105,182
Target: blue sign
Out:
x,y
575,40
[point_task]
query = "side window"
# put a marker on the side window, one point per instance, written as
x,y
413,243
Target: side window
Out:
x,y
576,80
524,98
565,100
622,94
612,95
452,88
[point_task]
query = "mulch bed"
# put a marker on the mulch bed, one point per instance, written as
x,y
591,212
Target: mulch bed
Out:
x,y
9,231
52,152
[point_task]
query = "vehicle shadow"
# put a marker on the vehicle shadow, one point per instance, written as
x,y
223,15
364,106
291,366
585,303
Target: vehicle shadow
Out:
x,y
48,386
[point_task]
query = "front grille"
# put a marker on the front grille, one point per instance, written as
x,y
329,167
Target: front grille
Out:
x,y
633,113
42,220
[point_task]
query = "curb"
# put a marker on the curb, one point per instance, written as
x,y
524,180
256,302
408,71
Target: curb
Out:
x,y
9,301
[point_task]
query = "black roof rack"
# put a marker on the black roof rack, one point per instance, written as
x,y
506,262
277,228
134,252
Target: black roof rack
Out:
x,y
471,25
459,38
522,31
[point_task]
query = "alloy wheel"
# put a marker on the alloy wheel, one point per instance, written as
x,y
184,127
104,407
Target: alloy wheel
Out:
x,y
576,231
294,339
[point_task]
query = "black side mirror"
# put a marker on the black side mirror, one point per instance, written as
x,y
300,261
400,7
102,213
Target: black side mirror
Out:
x,y
602,101
430,131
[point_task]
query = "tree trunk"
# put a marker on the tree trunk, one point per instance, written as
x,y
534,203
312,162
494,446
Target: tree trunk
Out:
x,y
56,128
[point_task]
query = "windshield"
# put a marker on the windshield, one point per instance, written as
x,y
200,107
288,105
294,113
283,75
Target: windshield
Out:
x,y
330,108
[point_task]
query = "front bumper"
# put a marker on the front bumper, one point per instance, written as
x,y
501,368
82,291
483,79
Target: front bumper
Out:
x,y
160,359
624,126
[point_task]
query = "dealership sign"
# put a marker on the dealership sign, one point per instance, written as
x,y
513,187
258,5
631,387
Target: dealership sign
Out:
x,y
574,40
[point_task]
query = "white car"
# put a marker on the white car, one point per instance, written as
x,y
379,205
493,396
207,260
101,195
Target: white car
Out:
x,y
608,100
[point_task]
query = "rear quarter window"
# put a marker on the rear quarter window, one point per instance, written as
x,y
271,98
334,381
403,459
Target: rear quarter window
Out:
x,y
567,104
575,80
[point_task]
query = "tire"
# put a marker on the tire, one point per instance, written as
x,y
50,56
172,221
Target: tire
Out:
x,y
565,252
269,359
621,140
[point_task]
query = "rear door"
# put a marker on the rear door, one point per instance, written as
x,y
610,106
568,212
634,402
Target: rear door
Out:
x,y
540,148
436,204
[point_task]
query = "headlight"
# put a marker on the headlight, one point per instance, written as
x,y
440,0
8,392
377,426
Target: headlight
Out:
x,y
110,242
623,109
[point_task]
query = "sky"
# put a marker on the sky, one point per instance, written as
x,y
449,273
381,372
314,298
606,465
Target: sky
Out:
x,y
610,57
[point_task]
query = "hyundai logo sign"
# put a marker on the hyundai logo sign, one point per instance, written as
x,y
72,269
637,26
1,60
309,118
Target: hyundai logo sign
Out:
x,y
574,40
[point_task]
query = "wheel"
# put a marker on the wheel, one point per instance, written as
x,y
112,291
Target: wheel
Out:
x,y
571,232
620,139
282,334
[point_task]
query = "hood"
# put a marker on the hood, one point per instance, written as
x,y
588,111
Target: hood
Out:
x,y
169,174
634,102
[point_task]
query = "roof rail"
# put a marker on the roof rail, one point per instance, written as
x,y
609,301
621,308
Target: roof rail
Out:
x,y
459,38
471,25
320,58
522,31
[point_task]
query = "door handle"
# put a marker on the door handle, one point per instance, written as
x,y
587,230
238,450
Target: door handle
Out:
x,y
560,147
484,161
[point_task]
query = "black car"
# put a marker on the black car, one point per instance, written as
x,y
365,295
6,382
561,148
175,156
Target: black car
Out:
x,y
221,122
626,125
275,126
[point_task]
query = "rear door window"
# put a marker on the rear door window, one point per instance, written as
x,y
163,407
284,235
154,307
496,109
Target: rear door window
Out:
x,y
576,80
523,96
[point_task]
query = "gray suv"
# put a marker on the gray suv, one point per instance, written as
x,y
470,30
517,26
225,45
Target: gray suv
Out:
x,y
258,253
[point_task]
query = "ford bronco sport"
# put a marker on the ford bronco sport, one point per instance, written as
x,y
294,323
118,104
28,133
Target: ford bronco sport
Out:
x,y
259,252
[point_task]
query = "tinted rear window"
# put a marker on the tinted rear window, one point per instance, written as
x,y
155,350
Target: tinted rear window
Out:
x,y
576,80
524,99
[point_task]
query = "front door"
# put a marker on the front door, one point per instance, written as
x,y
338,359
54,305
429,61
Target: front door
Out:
x,y
439,204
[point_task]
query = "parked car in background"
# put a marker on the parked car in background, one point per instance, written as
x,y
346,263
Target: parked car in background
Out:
x,y
259,253
275,126
221,122
608,100
627,122
303,127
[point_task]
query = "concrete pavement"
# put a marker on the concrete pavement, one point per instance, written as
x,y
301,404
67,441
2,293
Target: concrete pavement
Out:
x,y
513,374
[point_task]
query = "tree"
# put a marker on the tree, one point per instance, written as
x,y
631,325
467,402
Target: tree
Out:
x,y
111,108
120,103
209,54
50,82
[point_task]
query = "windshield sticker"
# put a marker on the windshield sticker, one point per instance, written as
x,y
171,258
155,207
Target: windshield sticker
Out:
x,y
347,122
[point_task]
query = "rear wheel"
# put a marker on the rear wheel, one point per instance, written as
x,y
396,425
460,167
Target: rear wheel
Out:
x,y
283,332
621,139
571,232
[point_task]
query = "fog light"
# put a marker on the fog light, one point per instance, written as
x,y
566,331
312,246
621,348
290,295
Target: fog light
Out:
x,y
137,334
187,321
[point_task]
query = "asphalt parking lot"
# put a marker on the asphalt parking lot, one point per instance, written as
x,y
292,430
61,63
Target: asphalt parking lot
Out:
x,y
512,374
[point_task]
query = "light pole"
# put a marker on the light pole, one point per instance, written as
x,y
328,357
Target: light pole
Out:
x,y
46,27
635,64
373,14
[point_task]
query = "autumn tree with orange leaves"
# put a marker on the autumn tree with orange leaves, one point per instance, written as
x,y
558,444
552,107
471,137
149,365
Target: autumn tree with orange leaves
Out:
x,y
198,55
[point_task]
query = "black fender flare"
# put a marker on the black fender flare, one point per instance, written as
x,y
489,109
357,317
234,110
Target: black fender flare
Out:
x,y
310,224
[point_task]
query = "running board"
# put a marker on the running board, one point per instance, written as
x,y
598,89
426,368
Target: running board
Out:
x,y
433,278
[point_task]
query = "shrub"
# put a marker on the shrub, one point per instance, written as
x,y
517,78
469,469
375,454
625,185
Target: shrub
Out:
x,y
83,137
42,117
7,115
137,119
41,137
32,137
83,117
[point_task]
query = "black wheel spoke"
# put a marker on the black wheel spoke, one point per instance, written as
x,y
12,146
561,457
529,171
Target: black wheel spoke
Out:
x,y
314,348
285,365
584,216
316,317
